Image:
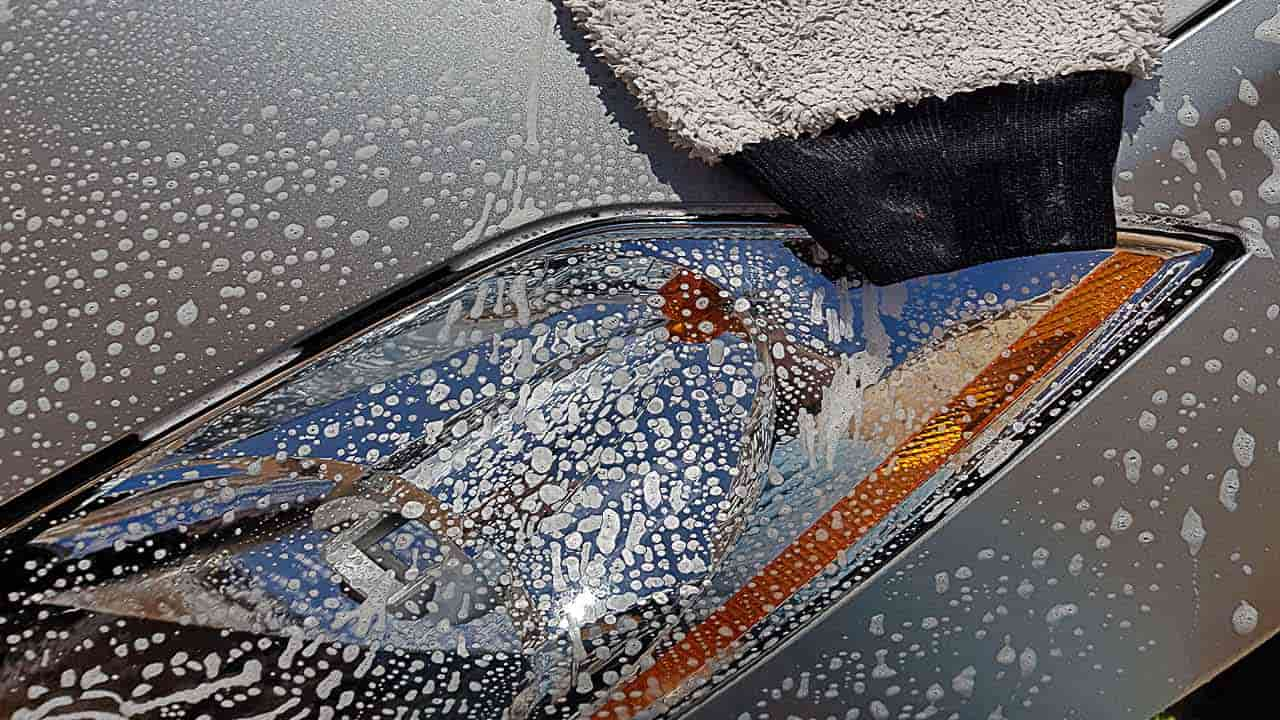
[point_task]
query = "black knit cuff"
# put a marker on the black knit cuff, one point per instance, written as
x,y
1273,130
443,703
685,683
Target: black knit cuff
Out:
x,y
1001,172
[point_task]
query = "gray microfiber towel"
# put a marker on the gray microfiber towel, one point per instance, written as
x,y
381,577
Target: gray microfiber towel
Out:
x,y
909,136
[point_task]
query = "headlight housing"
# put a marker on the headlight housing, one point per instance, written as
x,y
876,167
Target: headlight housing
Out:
x,y
574,480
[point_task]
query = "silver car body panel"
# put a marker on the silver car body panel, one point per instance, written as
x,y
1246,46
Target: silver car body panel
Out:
x,y
187,186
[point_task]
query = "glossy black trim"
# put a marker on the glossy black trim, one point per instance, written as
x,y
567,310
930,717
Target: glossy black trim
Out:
x,y
1194,20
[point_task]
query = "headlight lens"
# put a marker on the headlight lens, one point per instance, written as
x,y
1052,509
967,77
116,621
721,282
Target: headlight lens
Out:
x,y
562,486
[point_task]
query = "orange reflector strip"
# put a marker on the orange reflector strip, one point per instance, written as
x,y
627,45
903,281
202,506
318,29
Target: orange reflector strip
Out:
x,y
996,387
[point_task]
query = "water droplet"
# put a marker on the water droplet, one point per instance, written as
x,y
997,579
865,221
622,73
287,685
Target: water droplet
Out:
x,y
1248,93
963,683
187,313
1246,381
1228,489
1132,465
1269,30
1267,140
1244,619
1027,662
1122,520
876,626
1058,613
1182,153
1242,446
1193,531
1188,115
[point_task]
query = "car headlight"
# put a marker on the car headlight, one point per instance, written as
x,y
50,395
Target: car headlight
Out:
x,y
577,480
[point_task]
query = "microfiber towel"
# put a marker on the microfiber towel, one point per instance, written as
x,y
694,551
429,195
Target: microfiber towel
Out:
x,y
909,136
